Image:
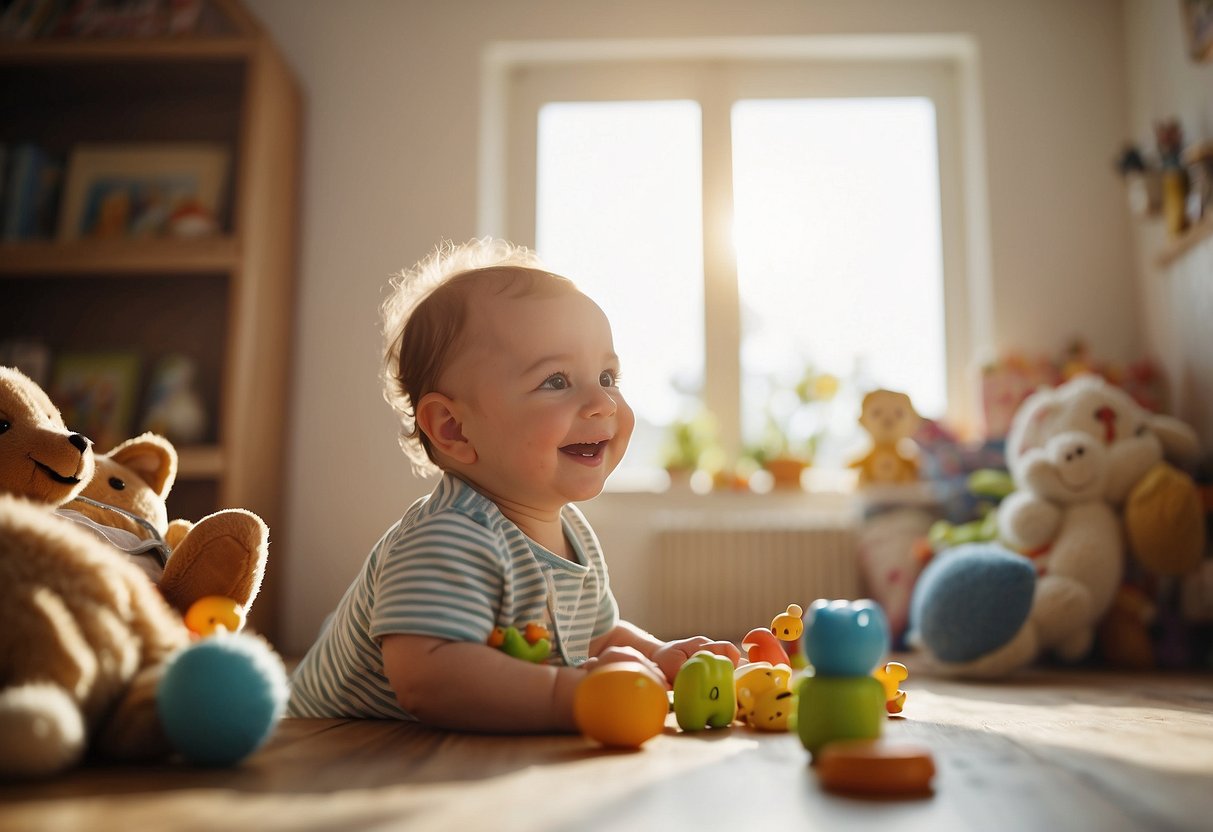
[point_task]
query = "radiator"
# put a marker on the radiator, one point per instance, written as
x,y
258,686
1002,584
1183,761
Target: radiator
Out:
x,y
725,575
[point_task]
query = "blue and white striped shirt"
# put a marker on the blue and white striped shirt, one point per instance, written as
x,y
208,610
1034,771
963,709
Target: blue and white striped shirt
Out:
x,y
453,567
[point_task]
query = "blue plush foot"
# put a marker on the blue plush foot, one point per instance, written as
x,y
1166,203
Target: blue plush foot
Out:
x,y
970,601
221,698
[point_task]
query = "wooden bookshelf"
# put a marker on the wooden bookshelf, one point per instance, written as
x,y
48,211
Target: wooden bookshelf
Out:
x,y
225,301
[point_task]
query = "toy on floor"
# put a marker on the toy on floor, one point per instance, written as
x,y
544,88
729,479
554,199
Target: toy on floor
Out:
x,y
704,696
1071,526
86,639
876,768
890,677
764,696
220,698
890,420
532,644
620,705
763,644
843,641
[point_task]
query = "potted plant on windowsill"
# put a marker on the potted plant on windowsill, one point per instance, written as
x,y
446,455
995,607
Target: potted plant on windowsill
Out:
x,y
795,423
691,446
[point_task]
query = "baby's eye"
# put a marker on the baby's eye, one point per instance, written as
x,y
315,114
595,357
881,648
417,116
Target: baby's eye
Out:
x,y
609,378
556,381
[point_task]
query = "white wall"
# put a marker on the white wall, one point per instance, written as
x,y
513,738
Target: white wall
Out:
x,y
1176,300
391,167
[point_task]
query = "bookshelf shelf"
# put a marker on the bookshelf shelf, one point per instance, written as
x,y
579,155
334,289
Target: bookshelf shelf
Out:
x,y
115,257
224,302
71,51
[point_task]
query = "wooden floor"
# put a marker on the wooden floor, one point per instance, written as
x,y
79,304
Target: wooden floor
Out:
x,y
1051,750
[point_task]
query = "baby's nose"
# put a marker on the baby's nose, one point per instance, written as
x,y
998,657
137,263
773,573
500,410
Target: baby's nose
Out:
x,y
601,403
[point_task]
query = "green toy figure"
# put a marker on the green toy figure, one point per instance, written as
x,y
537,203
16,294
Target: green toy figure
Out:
x,y
703,692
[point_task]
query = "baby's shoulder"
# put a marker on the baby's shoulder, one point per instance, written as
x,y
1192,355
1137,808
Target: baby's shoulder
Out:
x,y
454,513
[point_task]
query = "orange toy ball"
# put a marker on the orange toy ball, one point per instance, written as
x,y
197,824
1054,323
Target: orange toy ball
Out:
x,y
620,705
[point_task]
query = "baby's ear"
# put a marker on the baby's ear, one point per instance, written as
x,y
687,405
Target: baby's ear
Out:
x,y
437,419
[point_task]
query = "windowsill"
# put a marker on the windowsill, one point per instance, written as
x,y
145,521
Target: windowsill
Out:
x,y
824,494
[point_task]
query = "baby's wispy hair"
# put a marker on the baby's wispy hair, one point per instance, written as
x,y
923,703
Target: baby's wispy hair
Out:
x,y
406,292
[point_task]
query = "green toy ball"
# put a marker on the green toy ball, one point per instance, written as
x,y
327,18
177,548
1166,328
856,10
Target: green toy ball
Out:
x,y
220,698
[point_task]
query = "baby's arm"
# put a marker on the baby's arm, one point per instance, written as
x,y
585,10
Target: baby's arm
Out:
x,y
472,687
667,655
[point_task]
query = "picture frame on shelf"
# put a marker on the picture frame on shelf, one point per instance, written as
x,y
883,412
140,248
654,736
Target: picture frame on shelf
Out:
x,y
96,394
1198,28
143,190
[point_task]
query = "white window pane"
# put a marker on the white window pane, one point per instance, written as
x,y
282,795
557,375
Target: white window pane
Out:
x,y
618,209
837,227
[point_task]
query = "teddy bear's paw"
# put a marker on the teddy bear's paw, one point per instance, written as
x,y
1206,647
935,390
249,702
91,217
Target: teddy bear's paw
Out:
x,y
41,731
223,554
970,601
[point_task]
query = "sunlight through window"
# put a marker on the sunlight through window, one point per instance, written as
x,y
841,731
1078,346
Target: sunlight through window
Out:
x,y
837,232
618,209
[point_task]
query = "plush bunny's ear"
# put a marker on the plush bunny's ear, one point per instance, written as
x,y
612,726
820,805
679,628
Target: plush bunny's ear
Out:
x,y
1029,424
152,457
1179,441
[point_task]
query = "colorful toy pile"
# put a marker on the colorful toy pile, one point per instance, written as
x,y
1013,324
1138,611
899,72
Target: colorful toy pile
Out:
x,y
836,707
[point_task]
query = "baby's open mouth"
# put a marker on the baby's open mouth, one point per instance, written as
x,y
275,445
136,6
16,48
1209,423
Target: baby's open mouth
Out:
x,y
585,450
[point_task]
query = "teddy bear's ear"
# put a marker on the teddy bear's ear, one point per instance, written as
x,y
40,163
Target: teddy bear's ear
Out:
x,y
152,457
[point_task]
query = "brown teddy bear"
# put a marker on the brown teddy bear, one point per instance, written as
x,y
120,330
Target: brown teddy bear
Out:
x,y
85,637
891,420
222,554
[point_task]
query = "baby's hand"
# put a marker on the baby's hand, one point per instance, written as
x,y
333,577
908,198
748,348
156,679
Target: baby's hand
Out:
x,y
615,655
671,655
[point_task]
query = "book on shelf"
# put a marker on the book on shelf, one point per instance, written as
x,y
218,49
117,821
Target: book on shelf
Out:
x,y
30,192
32,19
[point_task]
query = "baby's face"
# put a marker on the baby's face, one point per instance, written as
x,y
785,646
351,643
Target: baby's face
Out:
x,y
537,381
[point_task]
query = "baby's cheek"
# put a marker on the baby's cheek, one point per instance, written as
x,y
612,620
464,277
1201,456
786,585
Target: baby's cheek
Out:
x,y
627,419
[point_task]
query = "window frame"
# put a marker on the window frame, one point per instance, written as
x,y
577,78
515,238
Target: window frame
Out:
x,y
519,78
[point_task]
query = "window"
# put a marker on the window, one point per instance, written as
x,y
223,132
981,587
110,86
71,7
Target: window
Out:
x,y
744,221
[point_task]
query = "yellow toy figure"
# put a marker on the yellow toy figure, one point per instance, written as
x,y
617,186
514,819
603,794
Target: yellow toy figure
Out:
x,y
764,696
891,420
890,677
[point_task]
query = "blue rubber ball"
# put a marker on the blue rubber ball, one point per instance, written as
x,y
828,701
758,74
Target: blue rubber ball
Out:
x,y
220,698
972,600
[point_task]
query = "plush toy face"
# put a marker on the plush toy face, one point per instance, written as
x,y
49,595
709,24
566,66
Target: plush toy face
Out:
x,y
888,416
39,457
135,476
1070,468
1134,438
